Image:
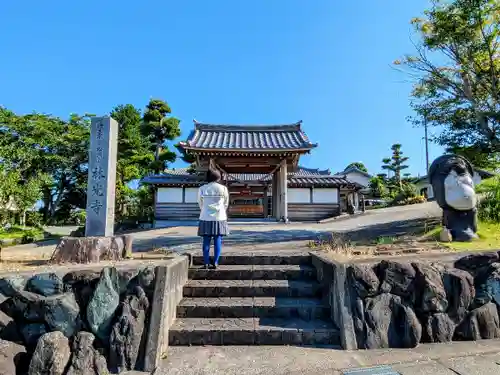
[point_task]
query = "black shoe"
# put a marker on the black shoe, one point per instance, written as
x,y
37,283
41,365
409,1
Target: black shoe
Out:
x,y
213,266
206,266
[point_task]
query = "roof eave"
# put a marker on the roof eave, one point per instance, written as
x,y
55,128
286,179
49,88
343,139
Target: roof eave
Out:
x,y
242,150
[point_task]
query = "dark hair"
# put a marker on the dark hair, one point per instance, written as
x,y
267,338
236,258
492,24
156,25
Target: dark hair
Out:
x,y
213,175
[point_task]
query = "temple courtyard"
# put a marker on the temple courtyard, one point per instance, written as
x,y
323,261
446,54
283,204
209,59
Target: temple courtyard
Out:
x,y
246,235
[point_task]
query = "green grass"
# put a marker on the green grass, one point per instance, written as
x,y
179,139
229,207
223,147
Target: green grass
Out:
x,y
489,238
18,232
385,240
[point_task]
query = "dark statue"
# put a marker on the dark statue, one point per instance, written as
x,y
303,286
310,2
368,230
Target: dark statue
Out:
x,y
451,180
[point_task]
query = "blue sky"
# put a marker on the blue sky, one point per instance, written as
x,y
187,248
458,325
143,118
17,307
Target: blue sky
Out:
x,y
263,61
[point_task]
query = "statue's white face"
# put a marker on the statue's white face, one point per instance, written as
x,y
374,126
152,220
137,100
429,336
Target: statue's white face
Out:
x,y
459,191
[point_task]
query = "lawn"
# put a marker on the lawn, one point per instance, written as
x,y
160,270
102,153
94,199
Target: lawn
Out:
x,y
489,238
15,232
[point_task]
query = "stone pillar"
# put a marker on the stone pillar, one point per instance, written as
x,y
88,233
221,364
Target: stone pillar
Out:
x,y
101,177
284,188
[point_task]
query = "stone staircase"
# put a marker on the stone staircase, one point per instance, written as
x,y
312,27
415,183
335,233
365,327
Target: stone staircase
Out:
x,y
254,299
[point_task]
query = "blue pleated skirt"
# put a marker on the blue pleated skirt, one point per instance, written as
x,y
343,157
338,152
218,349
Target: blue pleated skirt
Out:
x,y
213,228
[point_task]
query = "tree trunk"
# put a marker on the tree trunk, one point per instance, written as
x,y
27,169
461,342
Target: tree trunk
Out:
x,y
157,158
59,193
47,201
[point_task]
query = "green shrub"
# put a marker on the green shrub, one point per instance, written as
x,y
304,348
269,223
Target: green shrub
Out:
x,y
79,217
407,194
413,200
7,217
487,185
377,187
32,236
34,219
489,204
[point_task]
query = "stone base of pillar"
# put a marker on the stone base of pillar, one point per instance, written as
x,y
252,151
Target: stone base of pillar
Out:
x,y
92,249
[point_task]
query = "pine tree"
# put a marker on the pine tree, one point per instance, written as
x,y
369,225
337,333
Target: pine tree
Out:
x,y
396,163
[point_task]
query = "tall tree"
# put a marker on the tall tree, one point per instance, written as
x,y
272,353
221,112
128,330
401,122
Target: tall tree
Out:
x,y
456,70
185,156
36,144
160,127
27,193
478,157
134,155
396,163
8,187
359,165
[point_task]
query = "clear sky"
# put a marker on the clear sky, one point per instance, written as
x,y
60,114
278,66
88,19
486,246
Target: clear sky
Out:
x,y
224,61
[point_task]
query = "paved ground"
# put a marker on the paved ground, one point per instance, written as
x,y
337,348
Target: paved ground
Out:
x,y
247,234
181,236
462,358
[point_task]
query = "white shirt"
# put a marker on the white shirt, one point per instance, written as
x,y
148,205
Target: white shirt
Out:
x,y
213,199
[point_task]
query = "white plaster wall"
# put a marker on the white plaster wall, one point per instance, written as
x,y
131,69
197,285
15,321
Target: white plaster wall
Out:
x,y
191,195
423,185
325,195
299,195
169,195
358,178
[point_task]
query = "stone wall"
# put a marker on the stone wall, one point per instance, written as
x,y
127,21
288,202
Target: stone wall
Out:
x,y
88,321
399,304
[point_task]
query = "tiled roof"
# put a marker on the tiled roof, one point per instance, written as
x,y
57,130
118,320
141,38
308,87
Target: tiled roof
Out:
x,y
248,138
302,177
325,181
173,176
302,171
353,169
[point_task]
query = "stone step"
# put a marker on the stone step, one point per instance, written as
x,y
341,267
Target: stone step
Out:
x,y
250,307
254,272
260,258
252,288
252,331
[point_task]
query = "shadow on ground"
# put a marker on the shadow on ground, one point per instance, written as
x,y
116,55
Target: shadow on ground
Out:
x,y
413,227
251,237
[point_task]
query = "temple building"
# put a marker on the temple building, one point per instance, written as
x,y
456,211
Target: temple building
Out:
x,y
260,166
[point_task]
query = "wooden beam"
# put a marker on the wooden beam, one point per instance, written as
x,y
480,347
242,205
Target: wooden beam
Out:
x,y
276,190
247,170
284,191
224,160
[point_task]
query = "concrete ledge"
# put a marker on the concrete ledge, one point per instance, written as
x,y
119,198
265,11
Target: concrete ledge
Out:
x,y
169,284
332,276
